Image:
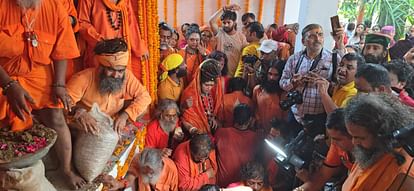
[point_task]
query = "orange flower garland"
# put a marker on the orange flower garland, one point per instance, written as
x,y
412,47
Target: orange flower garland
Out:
x,y
259,15
201,12
166,11
277,11
175,14
246,6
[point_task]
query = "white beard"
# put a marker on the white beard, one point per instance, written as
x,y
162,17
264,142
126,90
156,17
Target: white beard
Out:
x,y
28,4
152,180
167,126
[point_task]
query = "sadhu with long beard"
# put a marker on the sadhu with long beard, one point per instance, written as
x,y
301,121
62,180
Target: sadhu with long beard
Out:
x,y
33,34
111,85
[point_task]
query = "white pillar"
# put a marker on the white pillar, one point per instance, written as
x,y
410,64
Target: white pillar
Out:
x,y
312,11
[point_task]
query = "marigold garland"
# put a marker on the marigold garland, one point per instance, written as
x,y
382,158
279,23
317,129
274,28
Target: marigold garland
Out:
x,y
166,11
246,6
140,143
228,2
175,14
201,12
277,11
259,14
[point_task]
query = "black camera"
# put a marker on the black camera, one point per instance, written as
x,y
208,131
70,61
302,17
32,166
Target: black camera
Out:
x,y
293,97
250,59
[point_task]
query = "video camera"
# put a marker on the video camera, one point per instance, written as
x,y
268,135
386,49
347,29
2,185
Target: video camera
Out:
x,y
303,149
403,138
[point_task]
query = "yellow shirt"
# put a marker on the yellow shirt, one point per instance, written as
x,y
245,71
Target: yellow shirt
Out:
x,y
169,89
250,49
341,95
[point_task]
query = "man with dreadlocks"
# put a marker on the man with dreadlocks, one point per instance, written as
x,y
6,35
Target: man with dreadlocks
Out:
x,y
203,99
109,85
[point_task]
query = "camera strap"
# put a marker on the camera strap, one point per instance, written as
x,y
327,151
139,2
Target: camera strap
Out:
x,y
314,62
334,66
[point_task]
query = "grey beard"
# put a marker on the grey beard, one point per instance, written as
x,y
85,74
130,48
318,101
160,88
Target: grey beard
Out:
x,y
109,84
27,4
366,157
167,126
151,179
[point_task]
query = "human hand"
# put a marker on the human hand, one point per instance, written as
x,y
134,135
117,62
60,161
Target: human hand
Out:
x,y
201,49
194,130
111,183
323,85
338,36
178,134
232,7
166,152
297,80
87,123
18,98
120,122
145,56
60,93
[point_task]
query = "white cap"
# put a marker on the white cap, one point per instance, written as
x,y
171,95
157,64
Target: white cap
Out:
x,y
267,46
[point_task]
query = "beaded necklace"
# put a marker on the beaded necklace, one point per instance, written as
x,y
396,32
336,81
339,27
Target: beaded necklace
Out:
x,y
117,20
207,101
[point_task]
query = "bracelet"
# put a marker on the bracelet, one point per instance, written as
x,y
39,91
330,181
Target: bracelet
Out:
x,y
58,86
8,85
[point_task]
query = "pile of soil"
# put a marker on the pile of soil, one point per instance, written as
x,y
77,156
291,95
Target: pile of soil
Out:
x,y
17,144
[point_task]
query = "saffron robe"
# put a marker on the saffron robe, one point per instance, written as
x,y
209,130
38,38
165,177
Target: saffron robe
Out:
x,y
234,148
190,174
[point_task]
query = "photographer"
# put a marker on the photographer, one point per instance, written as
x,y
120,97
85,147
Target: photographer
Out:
x,y
344,89
295,75
255,70
250,53
338,157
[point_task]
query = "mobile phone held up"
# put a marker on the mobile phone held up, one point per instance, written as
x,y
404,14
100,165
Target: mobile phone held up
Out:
x,y
335,23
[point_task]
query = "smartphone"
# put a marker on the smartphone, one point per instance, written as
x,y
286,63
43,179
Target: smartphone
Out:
x,y
335,23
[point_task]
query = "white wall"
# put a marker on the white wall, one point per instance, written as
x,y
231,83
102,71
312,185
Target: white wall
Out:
x,y
292,11
317,11
189,10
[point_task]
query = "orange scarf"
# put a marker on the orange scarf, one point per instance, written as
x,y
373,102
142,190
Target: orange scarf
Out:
x,y
121,6
195,115
380,176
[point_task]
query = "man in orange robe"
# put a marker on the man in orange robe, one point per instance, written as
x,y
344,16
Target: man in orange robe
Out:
x,y
266,97
110,85
164,132
235,146
72,65
196,163
171,82
109,19
377,163
253,176
153,171
233,98
33,34
203,107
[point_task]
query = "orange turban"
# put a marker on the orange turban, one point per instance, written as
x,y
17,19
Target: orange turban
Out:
x,y
112,60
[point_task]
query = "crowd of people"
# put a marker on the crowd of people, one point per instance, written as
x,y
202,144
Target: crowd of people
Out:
x,y
222,91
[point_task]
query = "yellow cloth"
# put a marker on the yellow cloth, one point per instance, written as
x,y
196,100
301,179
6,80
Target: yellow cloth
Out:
x,y
341,95
250,49
112,60
171,62
169,89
